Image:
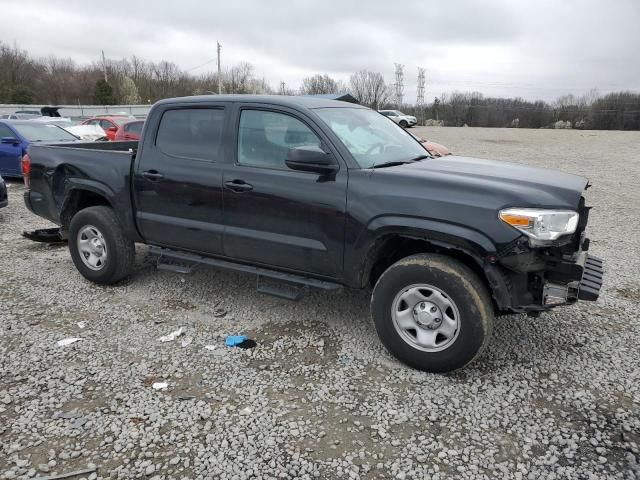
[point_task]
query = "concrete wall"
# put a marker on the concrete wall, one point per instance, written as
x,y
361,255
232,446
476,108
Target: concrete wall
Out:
x,y
80,111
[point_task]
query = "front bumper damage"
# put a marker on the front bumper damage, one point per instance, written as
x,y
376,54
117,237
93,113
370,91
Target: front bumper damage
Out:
x,y
570,281
533,281
528,279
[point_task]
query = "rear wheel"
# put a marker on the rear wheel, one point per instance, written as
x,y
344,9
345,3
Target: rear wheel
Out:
x,y
432,312
99,248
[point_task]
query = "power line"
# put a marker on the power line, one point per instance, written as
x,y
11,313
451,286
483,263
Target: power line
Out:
x,y
421,81
399,85
420,95
201,65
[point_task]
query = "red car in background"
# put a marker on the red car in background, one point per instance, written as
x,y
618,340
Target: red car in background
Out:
x,y
129,131
109,124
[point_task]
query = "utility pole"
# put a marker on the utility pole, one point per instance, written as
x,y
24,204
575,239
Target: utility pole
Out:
x,y
420,96
104,67
283,88
219,71
399,85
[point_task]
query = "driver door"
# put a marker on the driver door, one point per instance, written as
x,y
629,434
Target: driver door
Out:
x,y
276,216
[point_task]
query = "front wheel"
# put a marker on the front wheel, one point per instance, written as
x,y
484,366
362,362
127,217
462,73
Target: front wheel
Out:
x,y
403,124
432,312
99,247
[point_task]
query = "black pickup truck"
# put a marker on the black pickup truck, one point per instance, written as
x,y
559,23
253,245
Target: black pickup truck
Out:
x,y
326,194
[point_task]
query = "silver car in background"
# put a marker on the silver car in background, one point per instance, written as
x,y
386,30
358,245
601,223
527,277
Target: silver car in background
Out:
x,y
405,121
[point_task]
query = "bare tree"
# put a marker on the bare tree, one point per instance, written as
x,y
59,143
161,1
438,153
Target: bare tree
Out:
x,y
238,78
320,84
369,88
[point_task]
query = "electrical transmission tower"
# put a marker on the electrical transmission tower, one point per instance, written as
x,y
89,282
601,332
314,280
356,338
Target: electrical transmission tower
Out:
x,y
399,85
420,96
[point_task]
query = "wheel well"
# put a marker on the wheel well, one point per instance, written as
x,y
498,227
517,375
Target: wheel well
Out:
x,y
78,200
395,247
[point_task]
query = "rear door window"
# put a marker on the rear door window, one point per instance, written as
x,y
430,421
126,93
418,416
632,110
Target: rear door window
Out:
x,y
194,133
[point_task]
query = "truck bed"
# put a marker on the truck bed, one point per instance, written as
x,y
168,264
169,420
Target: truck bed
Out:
x,y
101,167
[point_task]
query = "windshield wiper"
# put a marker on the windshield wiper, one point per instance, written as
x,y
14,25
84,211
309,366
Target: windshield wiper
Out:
x,y
400,162
390,164
418,158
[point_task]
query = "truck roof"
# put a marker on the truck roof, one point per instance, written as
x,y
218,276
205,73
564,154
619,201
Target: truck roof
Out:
x,y
284,100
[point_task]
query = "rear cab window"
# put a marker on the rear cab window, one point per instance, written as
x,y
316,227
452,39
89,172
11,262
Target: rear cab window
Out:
x,y
193,133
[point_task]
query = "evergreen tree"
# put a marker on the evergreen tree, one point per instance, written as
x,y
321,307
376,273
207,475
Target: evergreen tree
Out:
x,y
104,93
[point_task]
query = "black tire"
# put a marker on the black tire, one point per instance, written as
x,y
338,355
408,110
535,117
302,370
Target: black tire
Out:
x,y
403,124
460,285
120,249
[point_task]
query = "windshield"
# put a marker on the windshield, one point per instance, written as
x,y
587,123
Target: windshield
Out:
x,y
37,132
371,138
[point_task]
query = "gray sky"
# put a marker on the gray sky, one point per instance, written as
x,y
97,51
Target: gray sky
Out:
x,y
534,49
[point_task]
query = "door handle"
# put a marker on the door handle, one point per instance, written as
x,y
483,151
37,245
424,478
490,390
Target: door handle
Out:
x,y
152,175
238,186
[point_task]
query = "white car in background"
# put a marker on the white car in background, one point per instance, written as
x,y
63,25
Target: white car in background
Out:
x,y
405,121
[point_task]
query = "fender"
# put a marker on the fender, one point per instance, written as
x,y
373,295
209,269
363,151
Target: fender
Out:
x,y
472,243
442,234
120,205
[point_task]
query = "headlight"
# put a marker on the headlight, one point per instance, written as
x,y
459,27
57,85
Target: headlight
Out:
x,y
541,225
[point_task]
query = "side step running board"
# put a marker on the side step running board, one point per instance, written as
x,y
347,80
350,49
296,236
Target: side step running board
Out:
x,y
281,289
175,267
183,262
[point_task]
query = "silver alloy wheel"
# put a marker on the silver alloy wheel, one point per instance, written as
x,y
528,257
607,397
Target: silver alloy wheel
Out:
x,y
425,317
92,247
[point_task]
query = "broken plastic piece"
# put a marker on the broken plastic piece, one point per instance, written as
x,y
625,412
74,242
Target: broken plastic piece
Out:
x,y
234,340
82,324
172,336
240,341
45,235
160,385
186,341
67,341
210,347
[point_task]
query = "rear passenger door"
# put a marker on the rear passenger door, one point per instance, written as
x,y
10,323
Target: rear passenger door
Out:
x,y
178,179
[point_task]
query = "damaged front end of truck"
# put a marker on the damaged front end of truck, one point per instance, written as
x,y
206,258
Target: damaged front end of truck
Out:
x,y
532,275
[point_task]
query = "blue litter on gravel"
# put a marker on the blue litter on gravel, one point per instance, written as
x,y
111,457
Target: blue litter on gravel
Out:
x,y
234,340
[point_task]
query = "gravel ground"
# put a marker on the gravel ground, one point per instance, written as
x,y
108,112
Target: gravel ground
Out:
x,y
552,398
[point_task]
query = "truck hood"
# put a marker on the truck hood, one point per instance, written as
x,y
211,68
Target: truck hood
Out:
x,y
515,183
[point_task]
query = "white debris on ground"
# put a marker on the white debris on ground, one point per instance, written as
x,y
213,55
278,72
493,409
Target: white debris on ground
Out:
x,y
556,397
172,336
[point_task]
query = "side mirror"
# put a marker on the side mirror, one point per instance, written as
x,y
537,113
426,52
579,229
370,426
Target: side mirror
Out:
x,y
310,158
10,140
112,129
